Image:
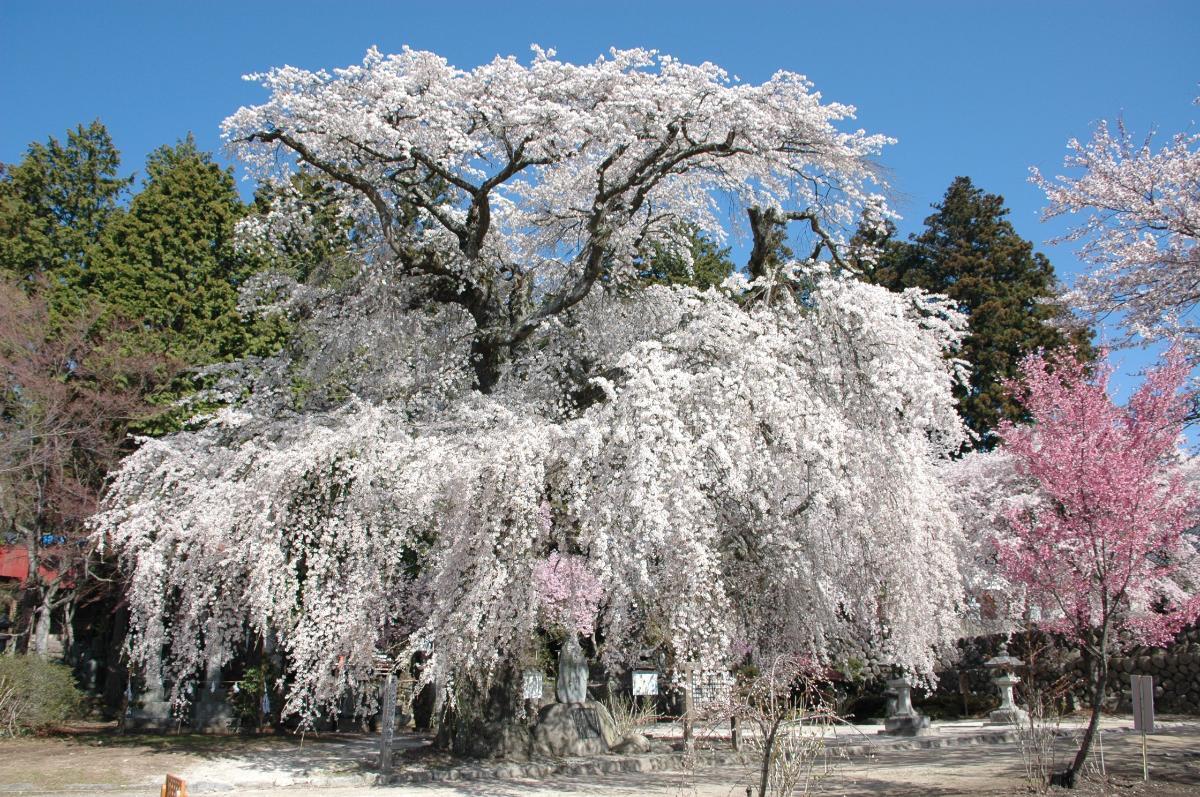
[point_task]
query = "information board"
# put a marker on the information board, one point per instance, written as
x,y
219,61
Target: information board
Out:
x,y
1143,703
645,683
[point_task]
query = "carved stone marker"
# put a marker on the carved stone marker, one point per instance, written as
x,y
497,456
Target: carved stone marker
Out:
x,y
571,729
574,725
587,723
571,686
212,710
152,711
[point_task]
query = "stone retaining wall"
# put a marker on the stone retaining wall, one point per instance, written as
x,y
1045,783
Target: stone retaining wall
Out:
x,y
1054,669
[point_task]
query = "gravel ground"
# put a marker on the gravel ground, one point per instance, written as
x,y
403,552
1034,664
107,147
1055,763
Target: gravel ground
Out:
x,y
99,764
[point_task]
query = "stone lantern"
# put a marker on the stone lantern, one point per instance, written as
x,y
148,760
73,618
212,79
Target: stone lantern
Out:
x,y
903,719
1009,712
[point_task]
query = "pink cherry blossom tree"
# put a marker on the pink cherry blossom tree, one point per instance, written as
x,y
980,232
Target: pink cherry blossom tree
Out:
x,y
1140,227
1103,549
568,592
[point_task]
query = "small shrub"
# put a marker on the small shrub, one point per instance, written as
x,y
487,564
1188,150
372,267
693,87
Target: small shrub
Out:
x,y
36,694
789,713
246,697
629,714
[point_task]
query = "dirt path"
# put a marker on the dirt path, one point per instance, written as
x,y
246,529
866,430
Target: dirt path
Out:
x,y
266,767
109,763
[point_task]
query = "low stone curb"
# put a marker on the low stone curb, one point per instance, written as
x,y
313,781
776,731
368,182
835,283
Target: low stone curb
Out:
x,y
314,781
657,762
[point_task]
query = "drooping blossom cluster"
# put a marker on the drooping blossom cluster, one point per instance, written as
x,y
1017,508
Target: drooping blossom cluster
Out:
x,y
1104,550
767,475
983,488
568,593
1141,230
492,391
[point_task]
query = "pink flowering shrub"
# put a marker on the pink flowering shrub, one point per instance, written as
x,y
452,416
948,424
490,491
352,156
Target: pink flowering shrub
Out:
x,y
569,593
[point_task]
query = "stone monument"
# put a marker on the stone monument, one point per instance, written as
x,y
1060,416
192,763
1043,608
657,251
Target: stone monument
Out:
x,y
903,719
574,725
571,686
151,711
212,712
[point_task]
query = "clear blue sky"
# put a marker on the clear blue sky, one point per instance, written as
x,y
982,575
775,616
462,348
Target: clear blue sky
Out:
x,y
984,89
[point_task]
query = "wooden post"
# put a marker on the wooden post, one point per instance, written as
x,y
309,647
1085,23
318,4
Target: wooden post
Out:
x,y
1145,764
688,707
735,734
387,723
1142,687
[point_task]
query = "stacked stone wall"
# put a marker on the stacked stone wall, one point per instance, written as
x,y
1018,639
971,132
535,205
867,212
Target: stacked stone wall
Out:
x,y
1055,670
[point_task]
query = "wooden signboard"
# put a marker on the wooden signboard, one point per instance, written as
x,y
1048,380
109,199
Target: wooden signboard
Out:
x,y
174,787
1143,702
1143,713
532,684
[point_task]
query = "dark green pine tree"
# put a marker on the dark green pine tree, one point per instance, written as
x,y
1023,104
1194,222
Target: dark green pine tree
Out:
x,y
169,261
54,206
710,265
324,250
970,252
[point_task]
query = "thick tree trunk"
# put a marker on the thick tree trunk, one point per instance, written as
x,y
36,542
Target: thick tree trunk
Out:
x,y
40,644
70,654
26,616
31,593
486,722
116,674
43,618
764,774
487,358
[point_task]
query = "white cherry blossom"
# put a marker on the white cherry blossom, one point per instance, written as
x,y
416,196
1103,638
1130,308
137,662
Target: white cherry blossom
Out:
x,y
493,388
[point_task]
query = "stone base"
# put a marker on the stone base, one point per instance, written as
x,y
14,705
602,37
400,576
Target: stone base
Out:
x,y
913,725
1007,716
212,716
154,715
573,729
632,742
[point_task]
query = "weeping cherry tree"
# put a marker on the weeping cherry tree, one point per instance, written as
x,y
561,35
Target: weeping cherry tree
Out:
x,y
746,469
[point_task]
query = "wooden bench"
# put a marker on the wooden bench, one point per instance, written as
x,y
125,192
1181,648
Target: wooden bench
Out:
x,y
174,787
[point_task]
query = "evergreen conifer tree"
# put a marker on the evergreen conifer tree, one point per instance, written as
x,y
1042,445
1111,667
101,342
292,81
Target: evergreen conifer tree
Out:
x,y
970,252
169,261
709,268
54,205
